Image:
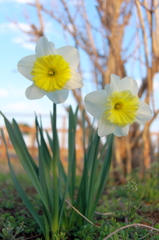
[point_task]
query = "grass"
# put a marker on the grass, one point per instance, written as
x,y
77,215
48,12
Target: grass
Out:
x,y
135,201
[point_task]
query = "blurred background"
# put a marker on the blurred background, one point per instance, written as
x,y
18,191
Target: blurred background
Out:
x,y
119,37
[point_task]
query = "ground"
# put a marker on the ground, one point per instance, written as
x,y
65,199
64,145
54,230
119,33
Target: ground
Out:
x,y
135,201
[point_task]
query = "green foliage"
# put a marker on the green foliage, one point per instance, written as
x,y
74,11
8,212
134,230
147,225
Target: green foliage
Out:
x,y
114,200
9,229
52,184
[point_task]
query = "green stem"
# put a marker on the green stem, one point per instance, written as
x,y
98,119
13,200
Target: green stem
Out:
x,y
55,226
47,237
127,230
90,213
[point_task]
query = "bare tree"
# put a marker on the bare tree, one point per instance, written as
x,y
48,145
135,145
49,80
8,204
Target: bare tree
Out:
x,y
102,38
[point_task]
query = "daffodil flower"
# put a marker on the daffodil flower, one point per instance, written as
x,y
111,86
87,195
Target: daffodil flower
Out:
x,y
117,106
51,71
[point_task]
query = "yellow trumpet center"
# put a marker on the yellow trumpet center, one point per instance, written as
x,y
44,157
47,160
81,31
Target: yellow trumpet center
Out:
x,y
121,108
118,105
51,72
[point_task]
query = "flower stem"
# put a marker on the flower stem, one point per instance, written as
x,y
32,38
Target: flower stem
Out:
x,y
127,230
55,226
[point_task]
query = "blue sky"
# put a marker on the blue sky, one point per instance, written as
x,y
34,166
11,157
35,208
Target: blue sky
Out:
x,y
15,45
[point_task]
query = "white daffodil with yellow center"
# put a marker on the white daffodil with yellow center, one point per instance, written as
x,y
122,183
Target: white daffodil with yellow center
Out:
x,y
117,106
51,71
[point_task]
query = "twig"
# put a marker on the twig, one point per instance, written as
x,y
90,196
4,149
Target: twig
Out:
x,y
146,235
104,214
131,225
149,10
81,214
32,237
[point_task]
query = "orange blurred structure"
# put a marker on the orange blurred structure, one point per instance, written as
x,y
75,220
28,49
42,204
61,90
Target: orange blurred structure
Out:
x,y
29,134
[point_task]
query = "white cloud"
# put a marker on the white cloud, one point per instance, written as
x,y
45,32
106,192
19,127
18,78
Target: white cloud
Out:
x,y
75,3
18,1
70,27
30,46
4,27
156,85
156,82
22,39
23,1
51,32
12,91
24,26
24,43
25,107
24,112
139,82
27,1
4,93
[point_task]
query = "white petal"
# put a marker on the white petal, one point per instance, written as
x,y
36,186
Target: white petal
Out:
x,y
42,47
75,81
94,103
121,131
58,96
129,83
25,66
108,89
115,83
70,54
52,49
144,113
33,92
105,127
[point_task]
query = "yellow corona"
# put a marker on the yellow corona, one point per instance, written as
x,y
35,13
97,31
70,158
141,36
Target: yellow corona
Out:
x,y
51,72
121,108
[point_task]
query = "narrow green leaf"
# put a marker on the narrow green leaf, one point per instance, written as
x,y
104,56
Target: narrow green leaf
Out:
x,y
104,170
44,169
76,115
71,175
20,137
81,200
43,143
92,178
100,166
61,169
88,161
25,160
21,192
71,154
55,172
50,140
